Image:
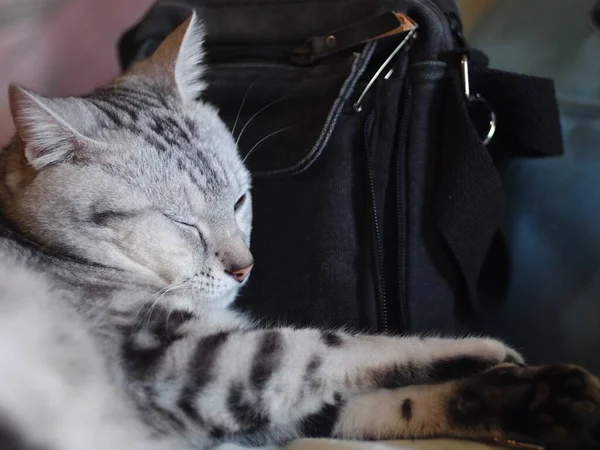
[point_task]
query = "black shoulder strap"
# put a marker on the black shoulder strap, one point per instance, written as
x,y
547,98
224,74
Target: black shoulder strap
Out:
x,y
470,205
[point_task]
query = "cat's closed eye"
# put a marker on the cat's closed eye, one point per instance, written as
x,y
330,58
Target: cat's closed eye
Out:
x,y
184,224
240,202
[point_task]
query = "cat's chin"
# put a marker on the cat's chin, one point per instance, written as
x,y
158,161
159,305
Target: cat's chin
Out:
x,y
215,295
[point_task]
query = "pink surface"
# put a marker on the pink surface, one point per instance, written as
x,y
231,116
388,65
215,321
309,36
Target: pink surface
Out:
x,y
70,53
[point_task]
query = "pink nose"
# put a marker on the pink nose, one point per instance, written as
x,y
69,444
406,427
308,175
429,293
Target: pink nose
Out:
x,y
241,274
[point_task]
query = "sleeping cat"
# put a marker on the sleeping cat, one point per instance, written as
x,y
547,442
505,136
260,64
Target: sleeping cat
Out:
x,y
127,216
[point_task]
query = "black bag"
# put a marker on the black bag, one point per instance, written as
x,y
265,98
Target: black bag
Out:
x,y
384,214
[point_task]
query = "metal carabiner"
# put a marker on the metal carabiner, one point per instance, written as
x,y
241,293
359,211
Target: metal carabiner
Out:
x,y
476,101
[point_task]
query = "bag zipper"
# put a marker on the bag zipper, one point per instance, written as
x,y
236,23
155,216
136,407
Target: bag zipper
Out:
x,y
379,273
385,324
449,21
401,208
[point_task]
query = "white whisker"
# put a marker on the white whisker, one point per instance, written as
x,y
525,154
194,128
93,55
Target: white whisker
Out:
x,y
186,287
262,140
256,114
237,117
159,295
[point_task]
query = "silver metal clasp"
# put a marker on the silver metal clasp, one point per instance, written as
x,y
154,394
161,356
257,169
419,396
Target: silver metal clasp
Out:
x,y
478,106
411,27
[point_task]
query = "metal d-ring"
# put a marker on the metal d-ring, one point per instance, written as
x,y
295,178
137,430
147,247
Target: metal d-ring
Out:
x,y
476,99
407,38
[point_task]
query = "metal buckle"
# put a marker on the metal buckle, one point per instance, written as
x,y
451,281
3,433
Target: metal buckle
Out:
x,y
487,128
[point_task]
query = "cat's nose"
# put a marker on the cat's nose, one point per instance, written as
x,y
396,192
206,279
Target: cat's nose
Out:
x,y
236,257
240,274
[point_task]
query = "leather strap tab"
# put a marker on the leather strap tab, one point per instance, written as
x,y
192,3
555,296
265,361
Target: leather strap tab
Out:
x,y
379,27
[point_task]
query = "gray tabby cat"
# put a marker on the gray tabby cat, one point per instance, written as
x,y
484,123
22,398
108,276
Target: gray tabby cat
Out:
x,y
127,224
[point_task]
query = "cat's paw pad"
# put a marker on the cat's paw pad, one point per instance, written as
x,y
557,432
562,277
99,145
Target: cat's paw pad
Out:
x,y
562,398
540,403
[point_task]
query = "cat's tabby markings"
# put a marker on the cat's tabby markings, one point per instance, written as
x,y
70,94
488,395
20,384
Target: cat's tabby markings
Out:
x,y
125,240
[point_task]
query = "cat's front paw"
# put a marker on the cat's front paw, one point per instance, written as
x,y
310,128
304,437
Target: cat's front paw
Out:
x,y
472,356
513,357
493,350
542,404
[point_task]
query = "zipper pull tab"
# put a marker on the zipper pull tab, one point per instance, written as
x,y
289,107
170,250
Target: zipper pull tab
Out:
x,y
379,27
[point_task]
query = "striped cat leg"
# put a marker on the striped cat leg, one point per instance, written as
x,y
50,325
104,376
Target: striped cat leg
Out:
x,y
531,404
239,382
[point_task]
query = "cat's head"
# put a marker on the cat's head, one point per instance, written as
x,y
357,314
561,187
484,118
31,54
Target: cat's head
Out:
x,y
141,175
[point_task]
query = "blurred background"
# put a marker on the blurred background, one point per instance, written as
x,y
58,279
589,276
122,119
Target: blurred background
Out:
x,y
553,310
62,47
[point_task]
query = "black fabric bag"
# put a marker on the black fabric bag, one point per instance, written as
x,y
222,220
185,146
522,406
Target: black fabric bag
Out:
x,y
385,215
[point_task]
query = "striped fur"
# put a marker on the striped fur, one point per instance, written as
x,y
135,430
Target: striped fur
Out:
x,y
123,213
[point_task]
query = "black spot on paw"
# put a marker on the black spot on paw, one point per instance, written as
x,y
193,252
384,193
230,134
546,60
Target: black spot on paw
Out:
x,y
406,410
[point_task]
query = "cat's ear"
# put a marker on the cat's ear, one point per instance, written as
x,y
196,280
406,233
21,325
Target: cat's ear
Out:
x,y
177,63
51,130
